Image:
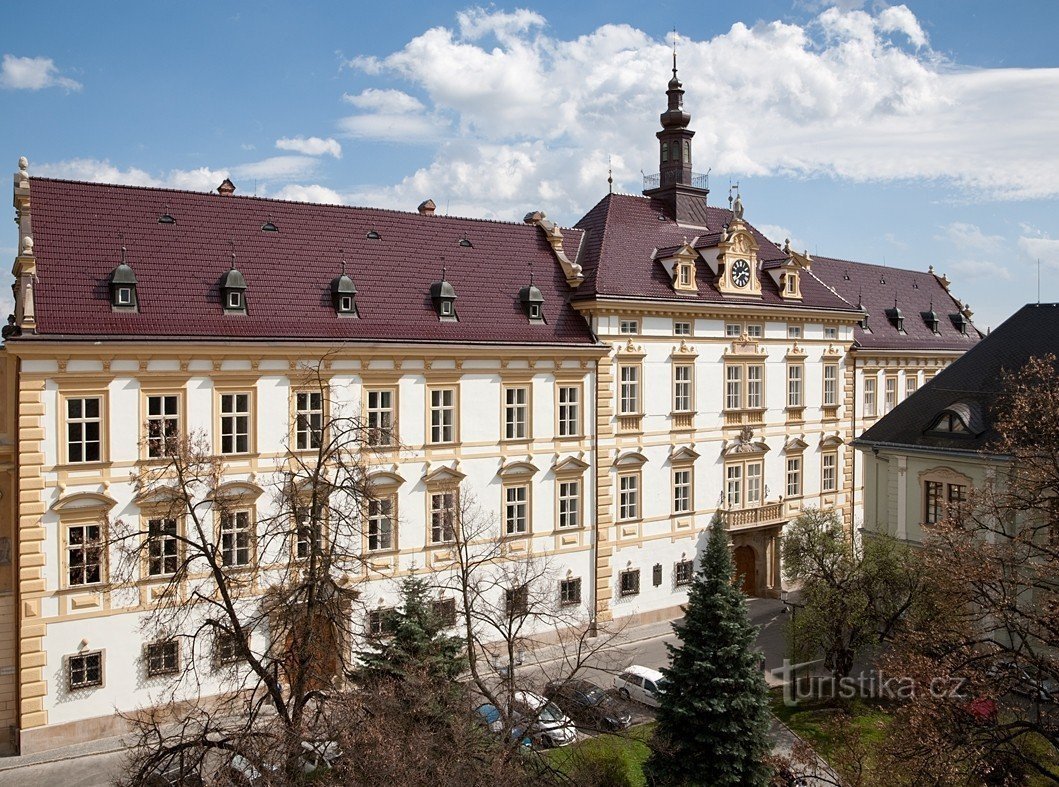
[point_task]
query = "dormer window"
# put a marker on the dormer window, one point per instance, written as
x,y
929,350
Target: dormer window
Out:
x,y
959,419
949,423
791,284
930,319
443,294
446,309
960,322
896,318
233,291
532,302
343,296
123,286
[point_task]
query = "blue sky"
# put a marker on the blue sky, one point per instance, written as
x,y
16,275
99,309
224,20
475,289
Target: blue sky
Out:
x,y
911,135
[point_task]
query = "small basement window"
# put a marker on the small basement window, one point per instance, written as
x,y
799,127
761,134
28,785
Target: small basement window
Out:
x,y
85,669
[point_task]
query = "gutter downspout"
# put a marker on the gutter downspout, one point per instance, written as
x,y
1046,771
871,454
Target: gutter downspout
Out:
x,y
593,629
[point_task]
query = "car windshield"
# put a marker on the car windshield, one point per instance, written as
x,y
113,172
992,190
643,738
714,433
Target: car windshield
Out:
x,y
551,712
594,696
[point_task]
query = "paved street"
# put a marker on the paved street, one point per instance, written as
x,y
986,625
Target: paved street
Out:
x,y
98,763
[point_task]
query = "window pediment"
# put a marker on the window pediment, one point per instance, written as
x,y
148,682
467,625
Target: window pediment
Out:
x,y
383,482
795,445
630,460
443,476
162,497
84,503
630,351
239,491
570,466
684,352
521,469
684,455
831,441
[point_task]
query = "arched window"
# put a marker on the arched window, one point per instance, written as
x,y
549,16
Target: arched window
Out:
x,y
687,152
665,151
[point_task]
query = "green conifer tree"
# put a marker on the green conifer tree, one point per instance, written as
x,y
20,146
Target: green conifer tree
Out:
x,y
713,723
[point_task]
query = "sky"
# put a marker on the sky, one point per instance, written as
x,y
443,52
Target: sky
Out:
x,y
911,135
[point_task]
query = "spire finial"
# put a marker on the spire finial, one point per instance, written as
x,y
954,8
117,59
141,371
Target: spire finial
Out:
x,y
860,298
674,52
610,177
231,243
342,255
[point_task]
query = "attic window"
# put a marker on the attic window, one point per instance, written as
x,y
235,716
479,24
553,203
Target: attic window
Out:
x,y
960,322
373,235
123,286
950,423
446,309
235,300
268,226
166,218
896,318
532,302
345,303
930,319
124,296
343,295
791,284
466,243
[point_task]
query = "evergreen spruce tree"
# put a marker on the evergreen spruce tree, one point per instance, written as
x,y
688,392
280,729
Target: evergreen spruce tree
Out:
x,y
713,722
415,642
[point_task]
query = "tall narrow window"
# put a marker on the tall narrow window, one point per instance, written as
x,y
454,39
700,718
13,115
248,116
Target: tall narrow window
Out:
x,y
869,397
516,510
161,547
830,384
682,491
755,386
734,486
83,429
235,423
569,411
569,504
163,424
380,524
380,417
733,387
236,538
934,502
628,497
794,476
443,415
829,472
684,275
629,394
516,413
310,528
911,385
309,419
442,517
794,384
891,393
84,554
682,396
753,483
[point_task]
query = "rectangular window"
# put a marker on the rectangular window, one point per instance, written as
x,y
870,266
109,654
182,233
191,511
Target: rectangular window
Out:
x,y
830,332
957,499
685,275
445,610
163,658
226,648
790,284
829,472
570,592
235,538
163,424
683,572
681,328
569,411
794,332
443,415
380,417
734,485
516,601
629,326
891,393
83,429
681,491
794,384
308,419
235,423
754,473
656,575
755,387
85,669
628,497
911,385
794,476
629,582
84,554
629,392
381,622
442,517
305,521
869,397
682,396
569,504
733,387
755,331
380,524
934,503
516,510
516,413
161,547
830,385
733,330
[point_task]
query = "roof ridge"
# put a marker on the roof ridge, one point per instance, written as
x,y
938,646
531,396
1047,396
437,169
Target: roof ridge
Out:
x,y
818,258
171,190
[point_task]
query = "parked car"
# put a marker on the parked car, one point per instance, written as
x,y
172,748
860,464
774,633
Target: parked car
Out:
x,y
1025,681
490,716
546,723
588,704
316,757
642,684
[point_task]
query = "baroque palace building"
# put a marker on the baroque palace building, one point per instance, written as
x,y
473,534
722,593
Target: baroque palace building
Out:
x,y
601,391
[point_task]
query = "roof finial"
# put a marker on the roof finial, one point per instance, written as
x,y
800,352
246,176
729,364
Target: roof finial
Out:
x,y
231,243
860,298
342,254
674,51
610,177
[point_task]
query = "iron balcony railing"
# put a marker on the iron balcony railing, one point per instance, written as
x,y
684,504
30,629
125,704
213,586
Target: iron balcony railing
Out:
x,y
699,180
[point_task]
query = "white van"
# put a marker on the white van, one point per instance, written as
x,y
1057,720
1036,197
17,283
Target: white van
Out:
x,y
642,684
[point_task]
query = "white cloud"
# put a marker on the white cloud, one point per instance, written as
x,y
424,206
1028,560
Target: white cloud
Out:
x,y
309,193
277,168
778,234
970,238
102,171
1040,248
969,268
854,94
33,73
974,253
311,146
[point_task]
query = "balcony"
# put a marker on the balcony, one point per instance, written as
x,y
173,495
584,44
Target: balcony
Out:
x,y
760,516
699,180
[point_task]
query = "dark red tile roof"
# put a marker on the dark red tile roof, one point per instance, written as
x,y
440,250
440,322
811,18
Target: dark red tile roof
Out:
x,y
77,231
622,232
916,292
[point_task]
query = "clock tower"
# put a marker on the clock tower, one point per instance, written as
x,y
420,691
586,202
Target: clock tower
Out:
x,y
737,257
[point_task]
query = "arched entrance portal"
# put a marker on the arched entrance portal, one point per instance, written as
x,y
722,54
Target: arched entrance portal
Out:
x,y
746,569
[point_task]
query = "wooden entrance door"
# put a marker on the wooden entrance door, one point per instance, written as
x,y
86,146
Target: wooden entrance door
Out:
x,y
746,569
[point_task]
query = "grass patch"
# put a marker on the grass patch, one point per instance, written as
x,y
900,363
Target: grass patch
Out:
x,y
629,747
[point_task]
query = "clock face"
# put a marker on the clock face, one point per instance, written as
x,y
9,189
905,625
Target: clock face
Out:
x,y
740,273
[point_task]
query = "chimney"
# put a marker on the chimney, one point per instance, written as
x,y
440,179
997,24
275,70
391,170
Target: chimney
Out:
x,y
227,188
426,207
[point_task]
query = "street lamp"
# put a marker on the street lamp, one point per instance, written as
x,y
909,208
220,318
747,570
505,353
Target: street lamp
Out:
x,y
789,603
